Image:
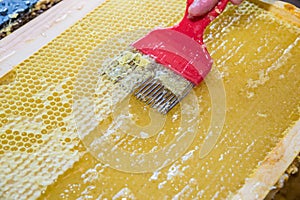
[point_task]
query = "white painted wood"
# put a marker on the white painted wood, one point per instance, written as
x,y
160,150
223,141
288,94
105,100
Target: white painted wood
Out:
x,y
26,40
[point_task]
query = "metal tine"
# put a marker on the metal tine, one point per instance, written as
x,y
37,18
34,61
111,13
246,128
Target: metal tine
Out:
x,y
148,91
167,102
156,94
174,101
160,99
165,106
172,105
171,99
147,86
143,85
154,104
152,89
146,98
164,100
166,96
165,110
186,91
153,93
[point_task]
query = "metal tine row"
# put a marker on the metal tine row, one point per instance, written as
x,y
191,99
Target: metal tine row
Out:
x,y
144,87
164,97
168,105
153,93
157,91
173,102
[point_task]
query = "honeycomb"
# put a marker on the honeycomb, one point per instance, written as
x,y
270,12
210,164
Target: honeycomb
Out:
x,y
57,94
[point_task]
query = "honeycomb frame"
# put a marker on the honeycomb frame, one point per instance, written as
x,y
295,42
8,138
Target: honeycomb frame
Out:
x,y
56,115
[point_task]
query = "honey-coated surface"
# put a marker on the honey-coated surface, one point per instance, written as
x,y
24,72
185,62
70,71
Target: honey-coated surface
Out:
x,y
42,155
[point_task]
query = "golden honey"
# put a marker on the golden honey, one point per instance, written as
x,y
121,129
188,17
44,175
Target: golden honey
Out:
x,y
42,155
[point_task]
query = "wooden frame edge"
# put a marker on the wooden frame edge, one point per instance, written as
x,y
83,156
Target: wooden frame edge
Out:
x,y
258,185
270,170
281,9
40,31
37,33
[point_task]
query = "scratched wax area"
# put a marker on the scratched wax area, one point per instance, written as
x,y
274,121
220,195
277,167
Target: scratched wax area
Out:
x,y
42,156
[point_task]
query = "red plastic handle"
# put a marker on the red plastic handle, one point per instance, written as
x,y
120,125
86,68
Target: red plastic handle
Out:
x,y
195,27
181,47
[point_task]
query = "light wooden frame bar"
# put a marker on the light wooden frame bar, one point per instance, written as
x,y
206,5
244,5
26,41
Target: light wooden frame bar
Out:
x,y
22,43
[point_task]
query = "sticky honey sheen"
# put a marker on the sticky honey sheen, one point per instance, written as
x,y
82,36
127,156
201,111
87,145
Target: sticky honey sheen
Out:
x,y
42,155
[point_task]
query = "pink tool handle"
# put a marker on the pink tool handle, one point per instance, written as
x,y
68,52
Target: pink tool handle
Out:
x,y
195,27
